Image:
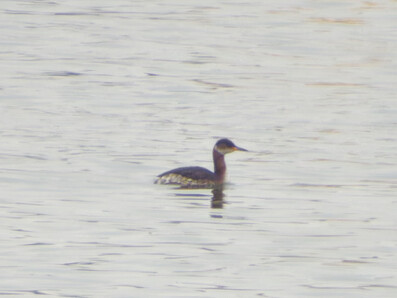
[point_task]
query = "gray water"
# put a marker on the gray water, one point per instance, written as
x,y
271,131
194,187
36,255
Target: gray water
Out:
x,y
98,97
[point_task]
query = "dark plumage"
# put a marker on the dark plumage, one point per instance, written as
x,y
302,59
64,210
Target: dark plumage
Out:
x,y
198,176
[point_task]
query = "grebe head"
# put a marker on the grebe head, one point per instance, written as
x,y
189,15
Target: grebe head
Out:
x,y
224,146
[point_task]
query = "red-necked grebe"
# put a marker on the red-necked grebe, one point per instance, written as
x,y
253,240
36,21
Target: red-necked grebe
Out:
x,y
198,176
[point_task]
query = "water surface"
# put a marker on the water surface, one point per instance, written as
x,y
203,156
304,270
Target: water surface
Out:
x,y
97,98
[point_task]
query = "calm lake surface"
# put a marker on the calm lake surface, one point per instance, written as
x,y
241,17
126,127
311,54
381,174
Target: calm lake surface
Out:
x,y
98,97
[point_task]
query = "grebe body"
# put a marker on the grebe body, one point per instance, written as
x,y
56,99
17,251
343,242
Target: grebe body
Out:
x,y
198,177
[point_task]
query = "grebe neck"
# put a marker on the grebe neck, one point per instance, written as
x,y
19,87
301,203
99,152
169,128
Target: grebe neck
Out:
x,y
219,166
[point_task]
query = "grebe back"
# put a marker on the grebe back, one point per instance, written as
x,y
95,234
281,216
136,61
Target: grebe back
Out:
x,y
198,177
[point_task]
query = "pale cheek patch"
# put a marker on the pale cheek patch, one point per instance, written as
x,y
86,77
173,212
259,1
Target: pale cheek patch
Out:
x,y
224,151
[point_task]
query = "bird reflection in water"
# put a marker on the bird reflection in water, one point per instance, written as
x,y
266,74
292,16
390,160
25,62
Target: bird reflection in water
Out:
x,y
217,198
